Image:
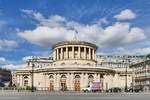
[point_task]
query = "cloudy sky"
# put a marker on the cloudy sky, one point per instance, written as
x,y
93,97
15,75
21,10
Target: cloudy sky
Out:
x,y
30,28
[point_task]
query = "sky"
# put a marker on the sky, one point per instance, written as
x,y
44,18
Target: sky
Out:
x,y
30,27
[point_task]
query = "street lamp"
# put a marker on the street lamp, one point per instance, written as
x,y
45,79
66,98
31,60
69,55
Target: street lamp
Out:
x,y
32,61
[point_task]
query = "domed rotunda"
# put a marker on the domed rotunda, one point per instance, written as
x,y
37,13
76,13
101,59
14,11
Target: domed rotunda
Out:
x,y
72,67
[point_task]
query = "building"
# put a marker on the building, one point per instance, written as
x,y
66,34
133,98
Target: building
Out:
x,y
73,66
141,73
5,77
118,61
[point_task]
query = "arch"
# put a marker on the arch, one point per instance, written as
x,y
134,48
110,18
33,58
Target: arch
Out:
x,y
51,83
63,77
63,84
51,77
77,83
25,77
77,77
91,78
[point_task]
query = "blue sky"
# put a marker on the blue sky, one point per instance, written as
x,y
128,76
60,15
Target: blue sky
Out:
x,y
30,28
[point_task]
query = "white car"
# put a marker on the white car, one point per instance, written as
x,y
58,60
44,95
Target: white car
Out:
x,y
87,89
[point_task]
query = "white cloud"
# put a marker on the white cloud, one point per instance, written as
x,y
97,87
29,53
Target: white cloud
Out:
x,y
46,36
125,51
56,28
7,44
140,51
24,59
103,21
13,67
126,14
3,60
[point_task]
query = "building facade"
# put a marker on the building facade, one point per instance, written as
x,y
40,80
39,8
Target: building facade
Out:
x,y
141,73
74,66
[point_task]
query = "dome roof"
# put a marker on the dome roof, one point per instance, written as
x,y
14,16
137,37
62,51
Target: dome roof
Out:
x,y
74,42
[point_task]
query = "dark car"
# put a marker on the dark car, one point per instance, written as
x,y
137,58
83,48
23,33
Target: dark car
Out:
x,y
114,90
137,88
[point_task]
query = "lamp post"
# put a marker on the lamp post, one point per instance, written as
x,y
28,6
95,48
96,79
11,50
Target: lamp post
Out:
x,y
32,61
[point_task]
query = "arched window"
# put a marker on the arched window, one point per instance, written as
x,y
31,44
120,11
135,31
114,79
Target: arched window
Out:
x,y
77,77
91,78
51,77
25,82
63,77
25,77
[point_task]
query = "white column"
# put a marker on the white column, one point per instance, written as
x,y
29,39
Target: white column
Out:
x,y
94,54
72,52
86,80
93,58
46,81
72,81
57,81
57,54
21,80
82,81
61,54
85,53
79,52
68,81
18,82
90,53
67,54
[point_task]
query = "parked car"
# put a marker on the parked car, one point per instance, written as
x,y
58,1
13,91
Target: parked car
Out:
x,y
136,90
93,87
114,90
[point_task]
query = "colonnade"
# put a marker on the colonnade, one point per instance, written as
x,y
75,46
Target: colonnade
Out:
x,y
74,52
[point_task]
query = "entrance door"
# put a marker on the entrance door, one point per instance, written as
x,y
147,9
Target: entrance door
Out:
x,y
77,85
51,86
63,85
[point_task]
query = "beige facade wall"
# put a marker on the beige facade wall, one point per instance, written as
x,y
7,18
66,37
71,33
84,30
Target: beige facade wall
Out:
x,y
107,79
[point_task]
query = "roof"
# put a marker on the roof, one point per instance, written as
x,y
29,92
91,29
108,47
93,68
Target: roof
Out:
x,y
74,42
140,63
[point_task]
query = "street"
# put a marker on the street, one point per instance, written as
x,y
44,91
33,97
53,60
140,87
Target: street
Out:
x,y
72,96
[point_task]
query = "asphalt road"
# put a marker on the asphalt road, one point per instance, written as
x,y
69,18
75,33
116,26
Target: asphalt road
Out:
x,y
73,96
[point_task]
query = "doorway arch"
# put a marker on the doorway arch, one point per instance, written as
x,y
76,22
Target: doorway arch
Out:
x,y
63,83
77,83
51,83
90,79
